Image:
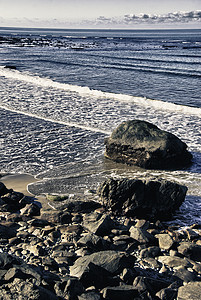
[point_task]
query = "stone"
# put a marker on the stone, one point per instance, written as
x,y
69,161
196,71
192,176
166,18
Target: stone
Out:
x,y
3,189
94,242
120,292
98,224
142,236
113,261
149,284
97,276
165,241
143,144
190,291
190,250
90,295
185,275
174,261
30,210
150,252
166,294
151,198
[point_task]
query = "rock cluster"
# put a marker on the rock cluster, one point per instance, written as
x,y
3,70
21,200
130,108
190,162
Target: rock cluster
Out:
x,y
143,144
81,254
151,199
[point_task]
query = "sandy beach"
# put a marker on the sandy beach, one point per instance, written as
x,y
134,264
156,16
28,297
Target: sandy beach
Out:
x,y
19,183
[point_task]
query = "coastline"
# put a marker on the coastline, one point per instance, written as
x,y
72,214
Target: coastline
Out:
x,y
20,182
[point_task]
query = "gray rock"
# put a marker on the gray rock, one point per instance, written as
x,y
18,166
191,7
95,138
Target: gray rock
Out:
x,y
167,294
113,261
121,293
190,250
150,252
149,284
153,199
174,261
94,242
145,145
90,295
98,224
191,291
31,210
185,275
165,241
142,236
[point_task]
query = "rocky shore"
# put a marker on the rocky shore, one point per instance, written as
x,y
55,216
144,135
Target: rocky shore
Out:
x,y
82,250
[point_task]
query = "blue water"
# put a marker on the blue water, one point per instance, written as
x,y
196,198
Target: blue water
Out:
x,y
71,88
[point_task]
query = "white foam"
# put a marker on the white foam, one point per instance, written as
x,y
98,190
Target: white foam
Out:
x,y
71,124
86,91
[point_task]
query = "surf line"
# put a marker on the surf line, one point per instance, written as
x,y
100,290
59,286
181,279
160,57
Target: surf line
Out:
x,y
86,91
56,121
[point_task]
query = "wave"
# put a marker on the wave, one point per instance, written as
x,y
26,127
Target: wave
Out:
x,y
86,91
70,124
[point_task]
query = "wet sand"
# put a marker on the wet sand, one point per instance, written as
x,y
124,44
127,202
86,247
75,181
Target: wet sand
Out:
x,y
19,183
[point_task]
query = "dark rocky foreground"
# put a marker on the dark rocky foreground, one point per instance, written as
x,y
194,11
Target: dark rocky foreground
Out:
x,y
82,251
143,144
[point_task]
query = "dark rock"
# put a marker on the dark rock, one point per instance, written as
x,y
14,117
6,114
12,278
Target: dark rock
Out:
x,y
150,252
142,236
191,291
128,275
94,275
190,250
94,242
121,293
38,223
75,206
98,224
3,189
31,210
113,261
167,294
73,289
7,261
10,67
145,145
151,199
90,295
151,285
185,275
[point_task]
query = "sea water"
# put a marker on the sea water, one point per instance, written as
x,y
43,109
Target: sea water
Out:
x,y
71,88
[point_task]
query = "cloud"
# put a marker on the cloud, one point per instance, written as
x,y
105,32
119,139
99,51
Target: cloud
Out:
x,y
127,21
176,17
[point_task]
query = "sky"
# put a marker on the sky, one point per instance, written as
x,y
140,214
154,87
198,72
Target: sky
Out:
x,y
101,13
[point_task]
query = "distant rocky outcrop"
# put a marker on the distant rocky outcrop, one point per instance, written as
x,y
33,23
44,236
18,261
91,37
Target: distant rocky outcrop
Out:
x,y
149,199
145,145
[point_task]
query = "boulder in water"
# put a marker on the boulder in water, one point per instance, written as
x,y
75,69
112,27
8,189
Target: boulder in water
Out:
x,y
145,145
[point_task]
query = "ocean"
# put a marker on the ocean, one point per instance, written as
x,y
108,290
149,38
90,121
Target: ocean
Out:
x,y
71,88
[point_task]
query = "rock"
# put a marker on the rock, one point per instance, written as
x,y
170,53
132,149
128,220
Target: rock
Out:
x,y
166,294
113,261
97,276
165,241
185,275
150,252
191,291
98,224
142,236
73,289
3,189
153,199
174,261
190,250
75,206
151,285
90,295
10,67
128,275
7,261
145,145
31,210
94,242
121,293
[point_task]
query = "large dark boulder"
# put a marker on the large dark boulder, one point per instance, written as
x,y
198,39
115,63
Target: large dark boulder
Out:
x,y
145,145
150,199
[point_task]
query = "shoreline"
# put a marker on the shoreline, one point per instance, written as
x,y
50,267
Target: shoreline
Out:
x,y
20,182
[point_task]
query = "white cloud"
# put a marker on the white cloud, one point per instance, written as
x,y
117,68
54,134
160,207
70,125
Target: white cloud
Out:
x,y
126,21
